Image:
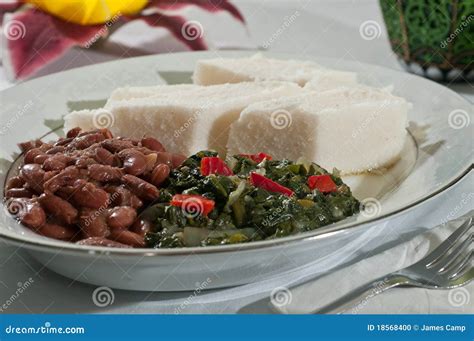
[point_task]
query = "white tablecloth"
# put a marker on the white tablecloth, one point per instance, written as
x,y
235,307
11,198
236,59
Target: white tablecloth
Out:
x,y
324,28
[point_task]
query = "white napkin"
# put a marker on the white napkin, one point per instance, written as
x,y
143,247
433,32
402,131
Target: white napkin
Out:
x,y
310,296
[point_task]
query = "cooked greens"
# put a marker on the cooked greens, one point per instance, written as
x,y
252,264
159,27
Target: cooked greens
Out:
x,y
260,199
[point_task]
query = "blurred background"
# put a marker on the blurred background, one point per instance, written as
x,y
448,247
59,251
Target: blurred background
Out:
x,y
433,38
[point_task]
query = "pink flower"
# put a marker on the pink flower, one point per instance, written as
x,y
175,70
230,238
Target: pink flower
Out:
x,y
33,38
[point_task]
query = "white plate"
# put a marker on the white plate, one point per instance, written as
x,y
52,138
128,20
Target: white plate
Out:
x,y
437,153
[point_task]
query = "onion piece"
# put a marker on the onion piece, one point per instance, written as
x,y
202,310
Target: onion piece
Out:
x,y
235,195
193,236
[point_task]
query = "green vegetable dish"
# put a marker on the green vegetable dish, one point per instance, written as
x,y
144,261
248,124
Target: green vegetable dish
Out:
x,y
207,201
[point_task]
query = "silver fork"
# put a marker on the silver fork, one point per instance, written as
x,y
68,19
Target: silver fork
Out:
x,y
448,266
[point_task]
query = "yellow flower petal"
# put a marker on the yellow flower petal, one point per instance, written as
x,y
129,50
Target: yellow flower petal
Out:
x,y
89,12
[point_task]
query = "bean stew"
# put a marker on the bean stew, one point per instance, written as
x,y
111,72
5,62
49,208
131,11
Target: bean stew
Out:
x,y
89,187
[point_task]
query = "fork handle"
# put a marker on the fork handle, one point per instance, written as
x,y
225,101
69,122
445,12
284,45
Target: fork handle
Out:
x,y
358,297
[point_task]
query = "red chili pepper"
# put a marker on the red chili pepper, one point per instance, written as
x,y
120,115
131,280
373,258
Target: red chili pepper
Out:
x,y
323,183
259,157
269,185
214,165
193,204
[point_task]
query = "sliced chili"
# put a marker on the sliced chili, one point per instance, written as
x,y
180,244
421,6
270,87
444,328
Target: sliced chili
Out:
x,y
269,185
323,183
259,157
214,165
193,204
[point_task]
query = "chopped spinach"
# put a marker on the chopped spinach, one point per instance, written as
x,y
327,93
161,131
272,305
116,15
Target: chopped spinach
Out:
x,y
242,212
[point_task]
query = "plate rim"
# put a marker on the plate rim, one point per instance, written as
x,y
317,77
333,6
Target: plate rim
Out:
x,y
335,228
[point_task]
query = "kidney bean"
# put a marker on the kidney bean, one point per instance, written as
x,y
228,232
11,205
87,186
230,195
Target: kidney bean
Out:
x,y
31,154
87,194
64,141
84,174
44,147
115,146
150,162
104,157
121,217
107,133
120,196
18,193
164,158
65,192
57,162
135,202
140,187
48,175
86,141
105,173
159,174
141,227
84,162
33,216
104,131
14,182
33,176
55,150
93,223
73,132
98,241
26,146
134,162
133,140
128,238
28,211
59,208
145,151
41,158
88,132
152,144
65,178
177,160
57,231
